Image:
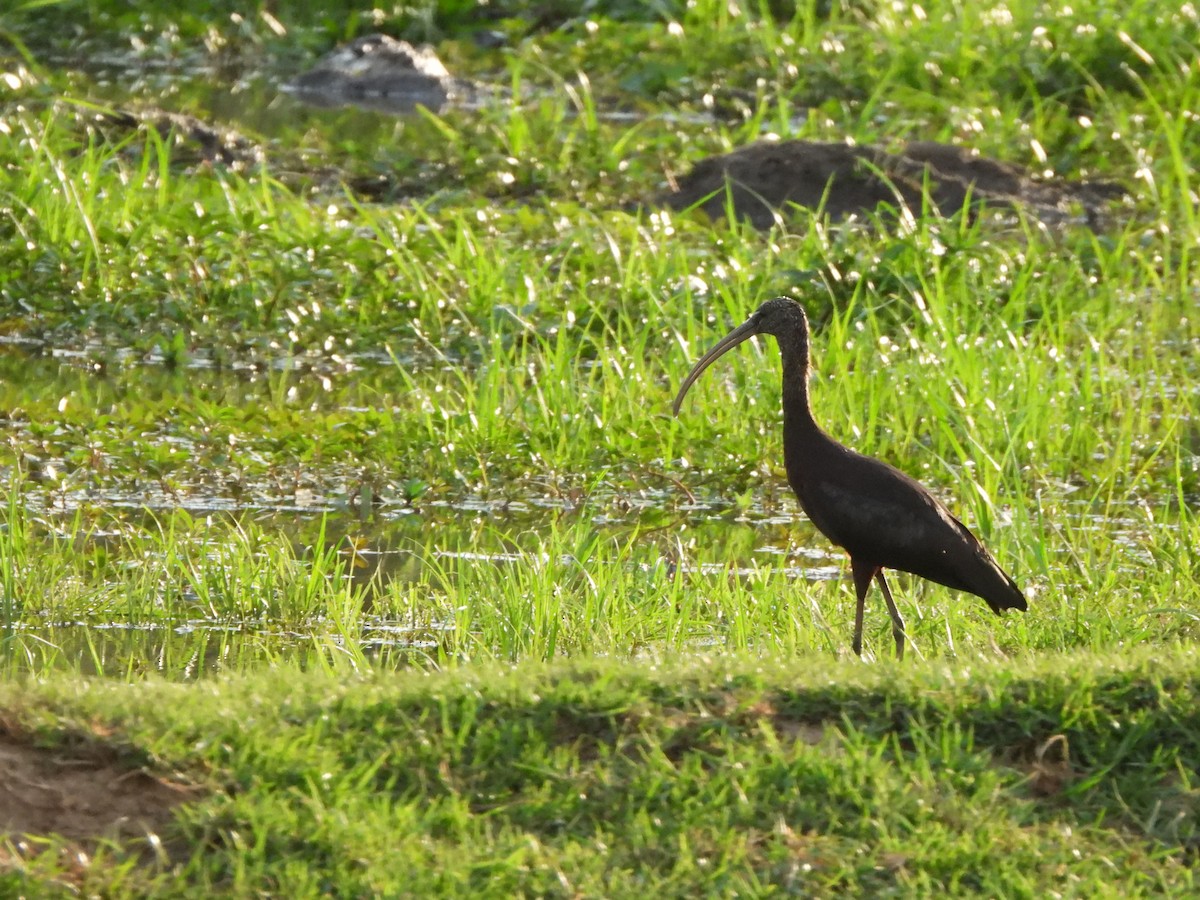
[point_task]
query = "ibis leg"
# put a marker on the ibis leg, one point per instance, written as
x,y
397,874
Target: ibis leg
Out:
x,y
863,573
897,619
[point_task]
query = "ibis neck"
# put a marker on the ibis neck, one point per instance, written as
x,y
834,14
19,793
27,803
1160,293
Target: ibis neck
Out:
x,y
797,413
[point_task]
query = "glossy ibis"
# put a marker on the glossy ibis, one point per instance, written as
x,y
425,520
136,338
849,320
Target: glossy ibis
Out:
x,y
880,516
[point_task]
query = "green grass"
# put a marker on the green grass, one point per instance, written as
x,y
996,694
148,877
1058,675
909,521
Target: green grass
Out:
x,y
397,400
1072,774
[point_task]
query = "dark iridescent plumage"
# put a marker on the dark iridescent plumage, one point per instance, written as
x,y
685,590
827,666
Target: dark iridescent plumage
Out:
x,y
883,518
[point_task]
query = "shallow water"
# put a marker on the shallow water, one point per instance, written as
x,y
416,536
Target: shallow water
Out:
x,y
108,513
193,648
396,542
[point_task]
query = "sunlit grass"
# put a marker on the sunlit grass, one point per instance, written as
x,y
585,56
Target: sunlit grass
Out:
x,y
1038,382
263,422
714,776
1098,574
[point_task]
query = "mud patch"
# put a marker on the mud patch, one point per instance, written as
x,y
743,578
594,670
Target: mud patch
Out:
x,y
83,794
763,179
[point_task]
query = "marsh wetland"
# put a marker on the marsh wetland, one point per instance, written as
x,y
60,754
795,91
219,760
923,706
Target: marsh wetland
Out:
x,y
348,545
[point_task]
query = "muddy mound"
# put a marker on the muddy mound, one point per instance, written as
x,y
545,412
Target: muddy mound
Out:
x,y
763,179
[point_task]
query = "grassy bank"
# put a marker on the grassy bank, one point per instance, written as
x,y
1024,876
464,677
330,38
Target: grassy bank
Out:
x,y
1071,774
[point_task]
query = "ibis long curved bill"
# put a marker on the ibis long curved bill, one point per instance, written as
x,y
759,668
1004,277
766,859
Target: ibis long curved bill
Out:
x,y
743,332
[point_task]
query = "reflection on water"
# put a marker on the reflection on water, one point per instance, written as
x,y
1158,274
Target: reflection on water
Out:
x,y
424,552
392,541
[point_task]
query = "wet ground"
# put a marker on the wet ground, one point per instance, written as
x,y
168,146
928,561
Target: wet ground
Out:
x,y
84,488
248,119
395,538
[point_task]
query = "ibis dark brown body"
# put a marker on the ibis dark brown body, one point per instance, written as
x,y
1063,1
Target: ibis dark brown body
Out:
x,y
883,518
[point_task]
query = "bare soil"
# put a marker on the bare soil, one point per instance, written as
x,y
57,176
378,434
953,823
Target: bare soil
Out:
x,y
763,179
83,794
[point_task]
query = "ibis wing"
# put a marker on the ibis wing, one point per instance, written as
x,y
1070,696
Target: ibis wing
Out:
x,y
883,517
